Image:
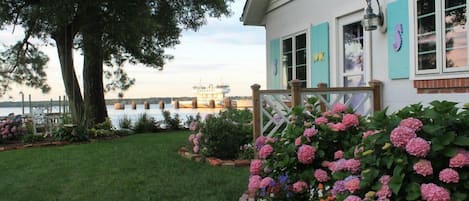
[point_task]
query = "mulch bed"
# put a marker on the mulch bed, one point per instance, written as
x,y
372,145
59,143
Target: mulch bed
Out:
x,y
15,145
184,152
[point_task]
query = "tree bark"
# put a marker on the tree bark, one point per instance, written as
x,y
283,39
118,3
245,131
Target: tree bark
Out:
x,y
95,104
64,41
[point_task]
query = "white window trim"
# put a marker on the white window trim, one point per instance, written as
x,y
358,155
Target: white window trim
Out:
x,y
438,73
284,67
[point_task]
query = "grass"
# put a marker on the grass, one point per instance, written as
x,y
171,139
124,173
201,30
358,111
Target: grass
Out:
x,y
135,168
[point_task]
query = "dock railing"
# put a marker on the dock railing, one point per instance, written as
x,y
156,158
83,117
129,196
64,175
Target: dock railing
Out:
x,y
271,108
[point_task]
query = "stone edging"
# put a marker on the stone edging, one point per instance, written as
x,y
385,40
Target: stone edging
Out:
x,y
212,160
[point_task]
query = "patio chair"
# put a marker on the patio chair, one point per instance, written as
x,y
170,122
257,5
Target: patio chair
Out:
x,y
39,120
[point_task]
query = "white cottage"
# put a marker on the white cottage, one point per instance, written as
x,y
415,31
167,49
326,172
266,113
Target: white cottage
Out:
x,y
420,52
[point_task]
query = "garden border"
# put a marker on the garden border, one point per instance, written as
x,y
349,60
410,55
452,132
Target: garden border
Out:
x,y
184,152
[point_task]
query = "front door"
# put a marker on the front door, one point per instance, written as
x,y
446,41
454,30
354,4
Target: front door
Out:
x,y
353,68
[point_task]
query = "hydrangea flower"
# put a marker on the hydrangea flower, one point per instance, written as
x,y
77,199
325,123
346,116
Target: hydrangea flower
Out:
x,y
353,198
195,149
432,192
412,123
369,133
306,154
418,147
338,154
254,183
260,141
423,167
321,175
352,165
338,108
350,120
337,126
459,160
310,132
298,141
321,120
191,137
266,182
400,136
449,175
255,167
299,186
265,151
352,183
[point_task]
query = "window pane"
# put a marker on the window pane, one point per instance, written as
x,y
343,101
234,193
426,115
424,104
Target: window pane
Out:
x,y
456,58
289,59
426,24
301,73
289,74
353,48
455,17
425,7
287,45
301,41
427,43
427,61
453,3
301,57
456,38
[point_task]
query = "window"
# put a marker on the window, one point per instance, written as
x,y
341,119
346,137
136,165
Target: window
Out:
x,y
441,36
294,57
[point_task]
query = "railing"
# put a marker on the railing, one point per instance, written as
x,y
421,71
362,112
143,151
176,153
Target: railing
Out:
x,y
271,107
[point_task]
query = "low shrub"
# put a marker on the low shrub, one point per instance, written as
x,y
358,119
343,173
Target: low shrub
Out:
x,y
145,124
11,128
30,138
172,123
417,153
78,134
125,122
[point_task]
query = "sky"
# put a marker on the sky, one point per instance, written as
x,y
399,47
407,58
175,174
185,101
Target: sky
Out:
x,y
222,51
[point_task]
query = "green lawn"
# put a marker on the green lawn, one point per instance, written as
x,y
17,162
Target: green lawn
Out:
x,y
135,168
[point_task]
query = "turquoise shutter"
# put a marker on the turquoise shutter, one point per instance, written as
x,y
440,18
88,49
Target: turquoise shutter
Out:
x,y
320,54
274,74
398,39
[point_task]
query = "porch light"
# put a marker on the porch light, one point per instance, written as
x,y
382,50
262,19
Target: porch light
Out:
x,y
371,20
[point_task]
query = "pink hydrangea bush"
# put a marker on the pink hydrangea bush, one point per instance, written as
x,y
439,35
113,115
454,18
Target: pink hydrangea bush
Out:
x,y
11,128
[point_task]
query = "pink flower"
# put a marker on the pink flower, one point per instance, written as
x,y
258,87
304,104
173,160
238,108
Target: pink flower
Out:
x,y
369,133
265,151
338,107
321,120
459,160
352,184
298,141
310,132
385,179
449,175
270,140
423,167
411,123
260,141
191,137
418,147
306,154
350,120
300,186
384,192
353,198
266,182
195,149
337,126
338,154
196,141
198,135
321,175
255,167
352,165
400,136
432,192
193,126
336,166
254,183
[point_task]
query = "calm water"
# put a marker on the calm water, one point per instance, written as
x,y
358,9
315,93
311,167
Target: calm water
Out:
x,y
117,115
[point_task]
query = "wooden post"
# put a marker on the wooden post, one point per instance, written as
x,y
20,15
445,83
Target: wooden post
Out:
x,y
30,106
321,104
161,105
194,103
256,111
60,104
377,89
296,92
227,103
176,104
146,105
211,104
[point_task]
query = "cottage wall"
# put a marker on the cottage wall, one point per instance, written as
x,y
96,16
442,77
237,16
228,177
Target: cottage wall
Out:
x,y
299,15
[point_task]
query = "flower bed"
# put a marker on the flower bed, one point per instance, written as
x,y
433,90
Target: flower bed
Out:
x,y
418,153
184,152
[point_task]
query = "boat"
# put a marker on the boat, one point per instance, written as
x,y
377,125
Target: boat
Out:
x,y
211,96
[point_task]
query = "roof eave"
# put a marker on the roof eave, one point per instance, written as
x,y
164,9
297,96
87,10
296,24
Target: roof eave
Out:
x,y
254,12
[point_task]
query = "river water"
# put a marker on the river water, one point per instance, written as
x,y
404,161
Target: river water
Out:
x,y
117,115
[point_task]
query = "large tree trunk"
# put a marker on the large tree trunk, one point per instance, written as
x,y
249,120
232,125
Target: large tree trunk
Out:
x,y
64,41
95,104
